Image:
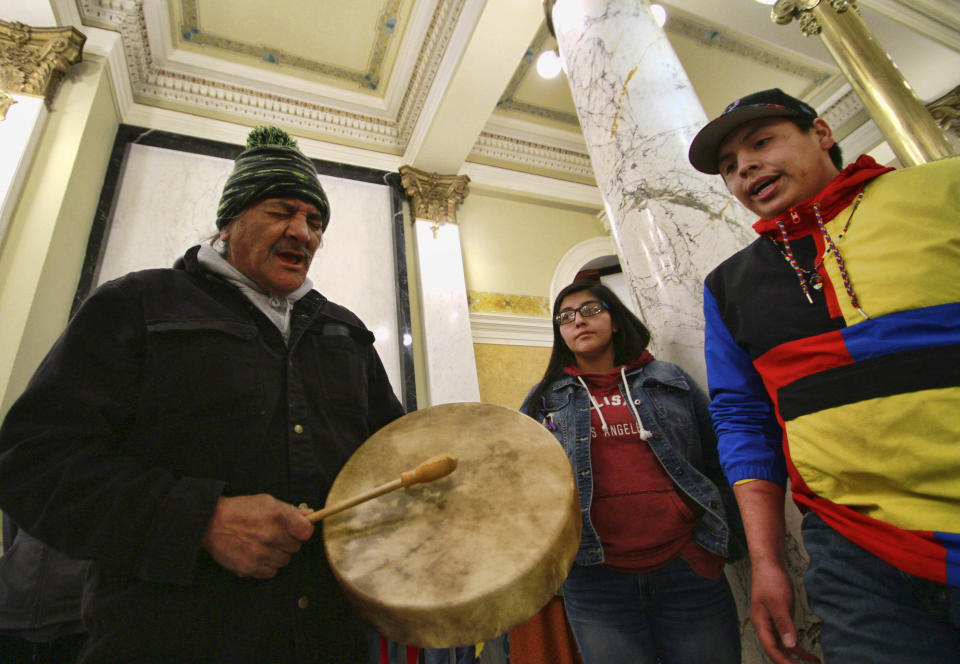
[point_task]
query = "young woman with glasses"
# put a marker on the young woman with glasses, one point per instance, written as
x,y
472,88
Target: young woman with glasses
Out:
x,y
659,518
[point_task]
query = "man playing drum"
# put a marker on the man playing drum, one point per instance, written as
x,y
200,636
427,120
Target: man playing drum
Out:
x,y
181,417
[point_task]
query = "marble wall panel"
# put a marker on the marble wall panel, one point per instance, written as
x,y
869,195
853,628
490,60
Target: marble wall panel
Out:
x,y
166,201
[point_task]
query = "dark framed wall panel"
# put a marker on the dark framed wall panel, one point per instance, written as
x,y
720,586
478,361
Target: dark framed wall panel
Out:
x,y
160,195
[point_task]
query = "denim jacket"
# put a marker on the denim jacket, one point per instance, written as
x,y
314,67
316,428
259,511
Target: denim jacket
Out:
x,y
674,409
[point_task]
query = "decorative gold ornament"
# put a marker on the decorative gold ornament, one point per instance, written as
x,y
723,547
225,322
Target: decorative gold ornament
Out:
x,y
33,61
808,24
946,111
434,197
6,101
784,11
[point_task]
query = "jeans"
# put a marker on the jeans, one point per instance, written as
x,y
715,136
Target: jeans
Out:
x,y
671,615
871,611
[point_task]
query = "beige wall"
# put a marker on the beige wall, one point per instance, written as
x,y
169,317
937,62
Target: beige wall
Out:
x,y
506,373
42,255
513,246
511,249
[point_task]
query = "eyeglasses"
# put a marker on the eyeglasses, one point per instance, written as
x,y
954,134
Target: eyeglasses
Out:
x,y
587,309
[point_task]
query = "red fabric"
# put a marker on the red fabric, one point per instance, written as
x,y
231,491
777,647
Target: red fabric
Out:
x,y
908,550
800,220
413,653
642,519
545,638
706,564
797,359
645,358
832,199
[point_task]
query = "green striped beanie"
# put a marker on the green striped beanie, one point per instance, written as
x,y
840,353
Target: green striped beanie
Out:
x,y
271,167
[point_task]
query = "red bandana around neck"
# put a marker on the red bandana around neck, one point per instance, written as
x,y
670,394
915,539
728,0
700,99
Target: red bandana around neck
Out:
x,y
834,197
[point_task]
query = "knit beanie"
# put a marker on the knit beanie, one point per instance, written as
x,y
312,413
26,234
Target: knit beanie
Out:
x,y
272,166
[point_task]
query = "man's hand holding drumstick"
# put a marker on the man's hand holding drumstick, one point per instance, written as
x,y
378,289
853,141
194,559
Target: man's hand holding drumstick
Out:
x,y
256,535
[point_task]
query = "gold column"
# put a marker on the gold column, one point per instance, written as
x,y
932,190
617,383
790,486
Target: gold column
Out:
x,y
33,61
900,115
434,197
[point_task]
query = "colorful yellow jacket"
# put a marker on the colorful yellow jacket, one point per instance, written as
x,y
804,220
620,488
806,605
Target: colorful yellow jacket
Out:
x,y
853,393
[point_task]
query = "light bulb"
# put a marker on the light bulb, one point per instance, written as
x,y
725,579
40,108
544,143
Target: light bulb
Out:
x,y
548,64
660,14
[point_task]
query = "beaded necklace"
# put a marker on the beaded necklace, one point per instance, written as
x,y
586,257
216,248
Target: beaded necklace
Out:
x,y
814,280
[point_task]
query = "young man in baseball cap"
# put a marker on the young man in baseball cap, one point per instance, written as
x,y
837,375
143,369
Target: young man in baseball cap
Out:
x,y
833,356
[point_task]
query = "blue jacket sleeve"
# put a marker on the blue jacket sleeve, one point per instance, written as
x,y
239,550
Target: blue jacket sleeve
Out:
x,y
748,434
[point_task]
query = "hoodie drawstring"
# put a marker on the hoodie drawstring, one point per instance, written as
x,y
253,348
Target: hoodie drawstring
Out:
x,y
596,407
644,434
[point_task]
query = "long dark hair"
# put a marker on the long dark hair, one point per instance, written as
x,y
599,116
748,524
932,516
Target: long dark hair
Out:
x,y
629,341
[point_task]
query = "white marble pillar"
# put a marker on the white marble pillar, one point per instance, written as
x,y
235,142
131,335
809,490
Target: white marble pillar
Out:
x,y
639,113
448,340
671,224
21,121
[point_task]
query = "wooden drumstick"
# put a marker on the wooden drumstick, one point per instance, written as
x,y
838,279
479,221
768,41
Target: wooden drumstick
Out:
x,y
432,469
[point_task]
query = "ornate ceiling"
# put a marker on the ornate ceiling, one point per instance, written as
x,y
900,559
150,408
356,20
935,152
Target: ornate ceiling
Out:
x,y
378,77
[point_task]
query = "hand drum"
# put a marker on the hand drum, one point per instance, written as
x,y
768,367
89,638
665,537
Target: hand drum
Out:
x,y
469,556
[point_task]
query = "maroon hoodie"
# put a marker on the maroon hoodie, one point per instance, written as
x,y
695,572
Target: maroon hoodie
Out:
x,y
642,518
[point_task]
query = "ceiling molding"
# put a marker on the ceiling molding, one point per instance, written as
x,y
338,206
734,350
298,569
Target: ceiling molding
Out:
x,y
427,71
155,76
205,64
539,188
507,102
441,67
532,155
843,109
197,93
725,40
862,140
191,32
570,138
938,20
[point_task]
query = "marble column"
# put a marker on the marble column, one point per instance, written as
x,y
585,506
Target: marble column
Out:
x,y
639,112
448,342
671,224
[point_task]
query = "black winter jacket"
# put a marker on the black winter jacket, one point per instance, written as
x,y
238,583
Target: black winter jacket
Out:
x,y
167,390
